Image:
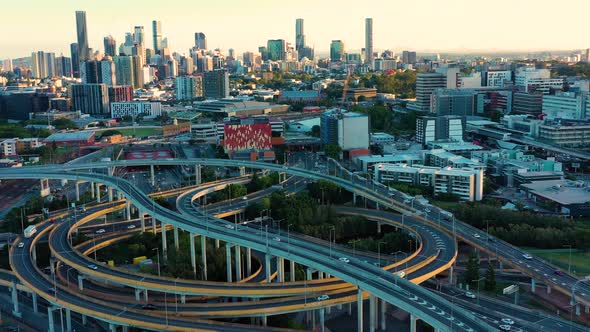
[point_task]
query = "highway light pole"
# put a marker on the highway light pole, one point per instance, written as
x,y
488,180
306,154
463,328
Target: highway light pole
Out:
x,y
569,262
478,280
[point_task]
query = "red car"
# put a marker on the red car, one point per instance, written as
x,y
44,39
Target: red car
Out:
x,y
558,272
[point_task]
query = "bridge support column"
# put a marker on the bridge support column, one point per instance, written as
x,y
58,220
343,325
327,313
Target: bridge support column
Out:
x,y
216,243
145,295
112,327
451,271
372,313
204,255
154,228
52,266
68,320
249,261
51,327
176,245
97,192
238,254
587,309
137,295
264,320
183,298
292,270
267,267
152,175
378,224
197,174
34,254
92,190
349,309
80,282
548,289
501,266
35,307
228,261
110,194
321,314
413,320
242,171
193,255
84,320
77,191
354,199
164,242
281,269
128,210
14,292
383,317
577,306
142,221
533,285
359,310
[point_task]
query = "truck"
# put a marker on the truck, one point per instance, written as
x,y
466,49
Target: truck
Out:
x,y
30,230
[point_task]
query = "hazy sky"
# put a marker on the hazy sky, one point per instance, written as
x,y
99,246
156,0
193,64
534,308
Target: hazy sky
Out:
x,y
443,25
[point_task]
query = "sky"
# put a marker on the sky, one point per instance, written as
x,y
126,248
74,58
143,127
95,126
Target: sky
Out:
x,y
427,25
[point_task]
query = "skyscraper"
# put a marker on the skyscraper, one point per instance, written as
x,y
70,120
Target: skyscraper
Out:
x,y
110,46
189,87
299,35
75,54
82,31
369,58
138,36
216,84
200,41
91,98
63,66
157,35
277,49
337,51
124,70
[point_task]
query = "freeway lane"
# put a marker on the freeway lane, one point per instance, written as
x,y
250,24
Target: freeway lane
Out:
x,y
425,305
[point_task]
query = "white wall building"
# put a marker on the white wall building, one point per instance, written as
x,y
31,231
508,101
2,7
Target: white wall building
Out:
x,y
497,78
565,105
532,79
135,108
353,131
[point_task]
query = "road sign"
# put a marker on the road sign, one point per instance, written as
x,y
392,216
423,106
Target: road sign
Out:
x,y
510,289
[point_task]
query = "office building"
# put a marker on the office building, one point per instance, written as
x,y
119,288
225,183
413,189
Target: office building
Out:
x,y
95,72
527,103
135,108
91,99
120,93
137,71
566,105
462,102
39,64
426,84
157,36
200,41
216,84
18,105
466,183
82,34
565,133
189,87
439,128
124,70
537,80
384,64
75,54
139,35
63,66
277,49
337,51
471,81
408,57
233,107
299,35
498,78
369,57
348,130
570,198
110,46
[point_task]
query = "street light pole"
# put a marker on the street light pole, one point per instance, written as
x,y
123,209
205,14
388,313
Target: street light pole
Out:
x,y
478,280
569,262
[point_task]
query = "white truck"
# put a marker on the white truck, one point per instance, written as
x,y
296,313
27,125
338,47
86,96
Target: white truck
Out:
x,y
30,230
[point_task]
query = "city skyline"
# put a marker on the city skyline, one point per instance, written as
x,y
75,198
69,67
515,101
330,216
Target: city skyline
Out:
x,y
456,28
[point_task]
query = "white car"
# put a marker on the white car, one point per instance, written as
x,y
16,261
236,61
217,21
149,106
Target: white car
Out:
x,y
476,236
100,231
276,238
470,295
21,245
323,297
527,256
344,260
507,321
505,327
229,226
131,227
245,198
93,267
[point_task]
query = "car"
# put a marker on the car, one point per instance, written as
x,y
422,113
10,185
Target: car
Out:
x,y
92,267
470,295
100,231
131,227
245,198
558,272
276,238
52,221
507,321
21,245
148,306
527,256
505,327
228,226
344,260
323,297
477,236
491,239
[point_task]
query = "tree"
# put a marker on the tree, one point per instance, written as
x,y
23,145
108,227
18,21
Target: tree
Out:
x,y
490,282
333,151
471,274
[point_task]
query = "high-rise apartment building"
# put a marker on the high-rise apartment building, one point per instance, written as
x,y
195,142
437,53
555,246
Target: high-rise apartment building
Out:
x,y
157,36
369,57
63,66
82,33
43,64
216,84
439,128
408,57
426,84
200,41
124,70
75,54
188,87
91,98
299,35
277,49
96,72
337,51
110,46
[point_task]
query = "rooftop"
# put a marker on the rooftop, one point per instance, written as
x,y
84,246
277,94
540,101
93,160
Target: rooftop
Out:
x,y
71,136
564,192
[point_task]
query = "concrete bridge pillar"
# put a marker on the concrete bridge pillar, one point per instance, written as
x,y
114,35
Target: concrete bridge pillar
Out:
x,y
413,320
242,171
51,327
92,190
193,255
372,313
183,298
137,295
176,244
451,272
14,293
216,243
84,320
142,221
80,282
292,270
164,242
322,325
154,228
197,174
77,191
249,261
152,175
264,320
204,255
145,295
378,224
97,192
533,285
238,254
68,320
267,267
110,194
228,261
577,306
112,327
383,316
359,310
281,269
35,307
128,210
548,289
